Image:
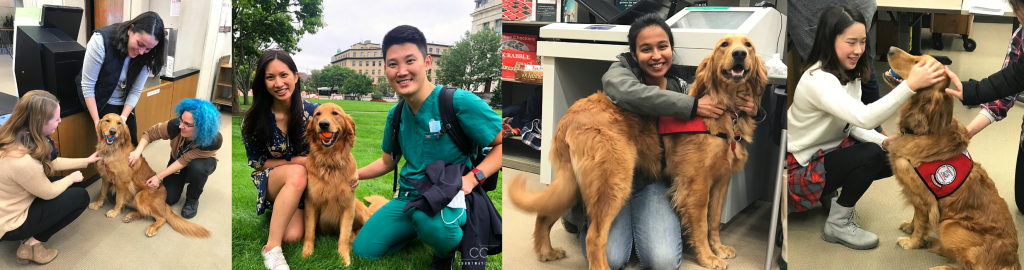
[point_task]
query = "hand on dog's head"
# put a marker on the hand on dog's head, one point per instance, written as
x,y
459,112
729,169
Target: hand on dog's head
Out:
x,y
930,110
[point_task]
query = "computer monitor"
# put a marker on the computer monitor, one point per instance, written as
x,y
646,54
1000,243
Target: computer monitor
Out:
x,y
67,19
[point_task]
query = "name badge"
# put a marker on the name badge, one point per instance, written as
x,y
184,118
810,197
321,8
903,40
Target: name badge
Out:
x,y
435,126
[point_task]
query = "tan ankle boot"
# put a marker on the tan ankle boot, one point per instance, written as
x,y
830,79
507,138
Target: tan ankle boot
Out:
x,y
36,253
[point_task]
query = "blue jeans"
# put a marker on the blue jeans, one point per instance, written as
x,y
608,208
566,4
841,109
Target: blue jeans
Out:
x,y
648,223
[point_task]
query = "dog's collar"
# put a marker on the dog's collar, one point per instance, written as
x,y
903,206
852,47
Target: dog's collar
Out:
x,y
894,75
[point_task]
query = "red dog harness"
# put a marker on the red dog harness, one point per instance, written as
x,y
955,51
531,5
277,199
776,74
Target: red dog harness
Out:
x,y
672,125
946,176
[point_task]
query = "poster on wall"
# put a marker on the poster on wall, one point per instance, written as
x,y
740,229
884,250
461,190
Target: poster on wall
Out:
x,y
175,8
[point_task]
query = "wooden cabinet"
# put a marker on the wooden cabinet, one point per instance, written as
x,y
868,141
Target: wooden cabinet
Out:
x,y
76,138
154,107
224,92
183,88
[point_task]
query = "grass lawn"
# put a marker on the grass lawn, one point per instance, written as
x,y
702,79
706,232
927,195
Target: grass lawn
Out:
x,y
250,231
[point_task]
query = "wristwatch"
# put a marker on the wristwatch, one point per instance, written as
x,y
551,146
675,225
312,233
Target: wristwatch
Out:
x,y
480,177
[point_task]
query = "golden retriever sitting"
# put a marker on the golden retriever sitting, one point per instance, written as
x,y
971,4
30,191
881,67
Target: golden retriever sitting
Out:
x,y
331,205
130,182
974,224
700,165
597,146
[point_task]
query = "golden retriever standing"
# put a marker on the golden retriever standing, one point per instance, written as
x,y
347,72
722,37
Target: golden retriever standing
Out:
x,y
597,146
974,224
700,165
130,182
331,205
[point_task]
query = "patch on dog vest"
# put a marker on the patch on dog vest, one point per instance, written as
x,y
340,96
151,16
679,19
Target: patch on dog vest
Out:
x,y
943,177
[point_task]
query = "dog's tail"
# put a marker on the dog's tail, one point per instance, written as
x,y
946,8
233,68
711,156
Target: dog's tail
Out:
x,y
376,202
560,195
182,226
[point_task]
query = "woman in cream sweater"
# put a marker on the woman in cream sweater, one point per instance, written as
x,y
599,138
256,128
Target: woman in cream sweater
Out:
x,y
32,208
831,132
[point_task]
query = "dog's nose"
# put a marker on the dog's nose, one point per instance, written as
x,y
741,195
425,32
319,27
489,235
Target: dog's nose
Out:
x,y
113,132
739,54
893,50
324,124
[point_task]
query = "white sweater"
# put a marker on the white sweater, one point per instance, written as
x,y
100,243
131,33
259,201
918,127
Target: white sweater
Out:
x,y
824,112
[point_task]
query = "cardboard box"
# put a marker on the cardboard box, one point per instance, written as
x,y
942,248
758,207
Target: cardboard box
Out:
x,y
520,42
513,60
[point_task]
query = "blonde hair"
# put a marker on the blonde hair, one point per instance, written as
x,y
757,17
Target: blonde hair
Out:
x,y
23,133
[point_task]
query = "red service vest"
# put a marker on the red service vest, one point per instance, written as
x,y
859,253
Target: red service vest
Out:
x,y
943,177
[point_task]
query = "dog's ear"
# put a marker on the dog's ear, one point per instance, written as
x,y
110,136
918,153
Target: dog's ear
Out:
x,y
350,132
758,78
705,75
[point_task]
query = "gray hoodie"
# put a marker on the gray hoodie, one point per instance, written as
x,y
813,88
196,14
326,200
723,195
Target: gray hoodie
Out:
x,y
623,88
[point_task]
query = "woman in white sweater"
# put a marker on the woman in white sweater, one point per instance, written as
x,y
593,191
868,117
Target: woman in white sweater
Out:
x,y
831,130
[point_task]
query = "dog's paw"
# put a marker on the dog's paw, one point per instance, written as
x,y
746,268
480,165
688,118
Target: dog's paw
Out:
x,y
724,252
307,249
95,205
907,226
113,213
711,262
151,231
551,255
131,217
908,243
345,257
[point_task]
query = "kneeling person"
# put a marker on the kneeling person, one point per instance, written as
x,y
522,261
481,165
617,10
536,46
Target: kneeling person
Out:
x,y
195,139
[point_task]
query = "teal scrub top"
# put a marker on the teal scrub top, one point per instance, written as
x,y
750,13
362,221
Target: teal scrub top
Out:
x,y
421,147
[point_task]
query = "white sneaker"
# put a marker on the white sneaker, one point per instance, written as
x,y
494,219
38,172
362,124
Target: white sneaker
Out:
x,y
274,259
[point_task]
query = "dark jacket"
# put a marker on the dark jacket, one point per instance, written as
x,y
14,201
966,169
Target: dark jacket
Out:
x,y
482,231
110,72
1006,82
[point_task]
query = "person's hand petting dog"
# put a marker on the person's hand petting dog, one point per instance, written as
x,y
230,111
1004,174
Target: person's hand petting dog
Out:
x,y
134,156
153,182
746,104
958,91
925,73
709,109
95,157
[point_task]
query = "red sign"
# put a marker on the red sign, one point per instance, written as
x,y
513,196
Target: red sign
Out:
x,y
512,60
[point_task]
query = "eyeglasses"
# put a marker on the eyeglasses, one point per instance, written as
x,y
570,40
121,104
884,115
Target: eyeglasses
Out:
x,y
187,124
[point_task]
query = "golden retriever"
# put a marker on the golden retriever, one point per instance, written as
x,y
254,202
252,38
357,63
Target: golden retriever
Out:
x,y
331,204
130,182
597,146
700,165
974,224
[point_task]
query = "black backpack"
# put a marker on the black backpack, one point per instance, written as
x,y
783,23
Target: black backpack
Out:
x,y
450,125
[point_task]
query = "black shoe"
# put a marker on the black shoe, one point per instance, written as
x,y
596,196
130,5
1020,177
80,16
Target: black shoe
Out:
x,y
441,263
189,209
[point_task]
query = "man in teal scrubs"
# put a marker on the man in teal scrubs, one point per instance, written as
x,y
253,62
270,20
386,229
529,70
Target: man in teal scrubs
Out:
x,y
390,229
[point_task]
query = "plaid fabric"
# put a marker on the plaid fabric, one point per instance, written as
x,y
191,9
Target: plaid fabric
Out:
x,y
998,108
806,183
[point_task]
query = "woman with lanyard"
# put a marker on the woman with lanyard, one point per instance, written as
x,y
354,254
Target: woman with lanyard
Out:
x,y
195,139
117,59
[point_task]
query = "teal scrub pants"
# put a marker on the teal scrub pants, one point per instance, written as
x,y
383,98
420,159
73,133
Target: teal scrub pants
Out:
x,y
389,229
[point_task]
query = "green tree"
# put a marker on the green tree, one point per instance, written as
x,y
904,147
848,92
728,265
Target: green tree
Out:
x,y
263,24
496,99
333,76
358,84
383,87
472,61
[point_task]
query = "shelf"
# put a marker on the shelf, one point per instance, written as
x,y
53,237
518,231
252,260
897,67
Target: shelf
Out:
x,y
503,23
515,81
223,101
522,163
225,84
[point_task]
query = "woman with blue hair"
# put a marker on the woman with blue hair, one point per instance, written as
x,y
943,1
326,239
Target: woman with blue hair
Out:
x,y
195,138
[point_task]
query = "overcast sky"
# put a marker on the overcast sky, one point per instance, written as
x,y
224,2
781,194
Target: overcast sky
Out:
x,y
349,22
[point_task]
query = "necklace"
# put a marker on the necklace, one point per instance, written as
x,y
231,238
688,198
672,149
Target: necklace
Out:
x,y
124,83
